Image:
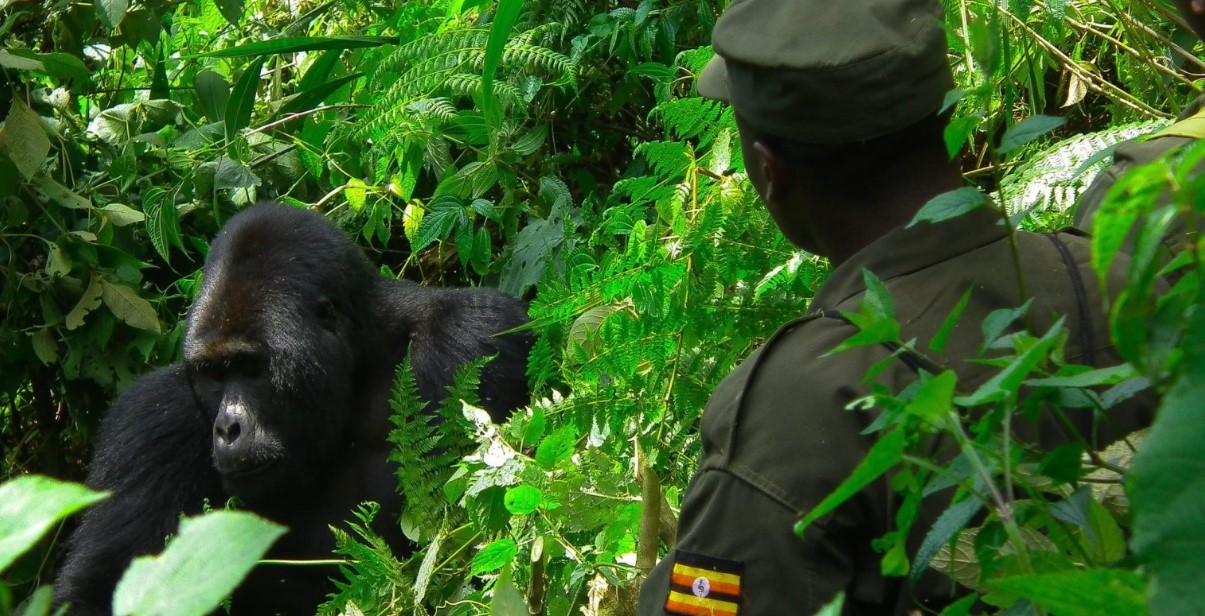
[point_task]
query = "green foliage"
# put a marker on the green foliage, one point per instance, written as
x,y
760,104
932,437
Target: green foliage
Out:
x,y
555,149
207,559
30,505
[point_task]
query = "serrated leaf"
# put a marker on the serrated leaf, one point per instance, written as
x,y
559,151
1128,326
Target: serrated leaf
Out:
x,y
522,500
1026,131
494,556
30,506
933,398
423,579
88,302
209,557
883,455
949,523
242,99
949,205
111,12
26,141
556,448
213,93
125,304
356,192
44,346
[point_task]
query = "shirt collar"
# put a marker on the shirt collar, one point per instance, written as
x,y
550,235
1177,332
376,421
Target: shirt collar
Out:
x,y
904,250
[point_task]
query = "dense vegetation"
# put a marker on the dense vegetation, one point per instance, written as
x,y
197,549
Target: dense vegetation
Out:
x,y
557,149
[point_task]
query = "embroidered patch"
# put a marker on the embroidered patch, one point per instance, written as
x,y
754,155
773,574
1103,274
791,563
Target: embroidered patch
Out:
x,y
704,586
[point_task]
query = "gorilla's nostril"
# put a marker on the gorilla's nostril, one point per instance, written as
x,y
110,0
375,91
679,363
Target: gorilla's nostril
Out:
x,y
228,433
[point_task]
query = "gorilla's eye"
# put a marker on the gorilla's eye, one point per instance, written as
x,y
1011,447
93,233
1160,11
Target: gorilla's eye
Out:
x,y
327,317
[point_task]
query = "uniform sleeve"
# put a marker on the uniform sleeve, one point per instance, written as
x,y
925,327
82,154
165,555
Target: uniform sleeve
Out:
x,y
737,552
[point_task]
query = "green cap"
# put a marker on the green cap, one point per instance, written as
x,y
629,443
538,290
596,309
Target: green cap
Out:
x,y
829,71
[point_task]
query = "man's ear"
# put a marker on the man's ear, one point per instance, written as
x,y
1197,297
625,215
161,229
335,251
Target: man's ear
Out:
x,y
773,169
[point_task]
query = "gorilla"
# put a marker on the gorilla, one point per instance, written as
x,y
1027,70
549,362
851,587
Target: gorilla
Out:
x,y
282,400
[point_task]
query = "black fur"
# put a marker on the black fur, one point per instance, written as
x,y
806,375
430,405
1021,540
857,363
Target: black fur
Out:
x,y
282,400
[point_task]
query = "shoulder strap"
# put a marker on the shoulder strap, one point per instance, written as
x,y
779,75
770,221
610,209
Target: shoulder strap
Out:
x,y
1086,340
914,362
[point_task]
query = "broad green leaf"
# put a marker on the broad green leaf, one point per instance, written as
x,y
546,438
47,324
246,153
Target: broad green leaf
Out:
x,y
1026,131
126,305
556,448
1091,378
939,340
122,215
883,455
934,397
26,141
836,607
522,500
202,565
61,65
162,221
44,346
1167,486
61,194
293,44
997,321
494,556
19,63
1004,384
30,506
88,302
1088,592
949,205
242,99
116,124
961,607
505,17
957,132
877,299
508,601
111,12
320,70
213,93
309,99
231,10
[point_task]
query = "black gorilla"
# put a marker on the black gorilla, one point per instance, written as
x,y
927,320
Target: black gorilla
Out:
x,y
282,401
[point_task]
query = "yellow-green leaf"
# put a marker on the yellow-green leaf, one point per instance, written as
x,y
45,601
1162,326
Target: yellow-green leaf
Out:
x,y
126,305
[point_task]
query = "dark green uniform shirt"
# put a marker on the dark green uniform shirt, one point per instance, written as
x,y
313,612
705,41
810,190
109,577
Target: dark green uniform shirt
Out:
x,y
777,438
1126,156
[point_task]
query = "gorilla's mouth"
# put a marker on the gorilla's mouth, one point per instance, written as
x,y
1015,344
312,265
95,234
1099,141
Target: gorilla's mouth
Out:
x,y
243,472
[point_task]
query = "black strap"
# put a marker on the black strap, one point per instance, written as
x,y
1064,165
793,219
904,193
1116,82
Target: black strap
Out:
x,y
1081,299
910,359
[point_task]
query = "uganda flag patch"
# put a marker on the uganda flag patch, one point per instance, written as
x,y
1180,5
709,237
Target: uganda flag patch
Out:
x,y
704,586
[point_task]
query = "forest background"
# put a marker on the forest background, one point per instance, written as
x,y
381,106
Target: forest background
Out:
x,y
557,149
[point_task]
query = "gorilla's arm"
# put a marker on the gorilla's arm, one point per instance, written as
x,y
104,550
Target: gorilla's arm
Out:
x,y
448,327
153,455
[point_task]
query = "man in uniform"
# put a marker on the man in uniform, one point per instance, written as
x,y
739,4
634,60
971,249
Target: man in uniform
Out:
x,y
1189,127
837,105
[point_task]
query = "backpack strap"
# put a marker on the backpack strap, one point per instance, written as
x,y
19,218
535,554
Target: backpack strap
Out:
x,y
1086,339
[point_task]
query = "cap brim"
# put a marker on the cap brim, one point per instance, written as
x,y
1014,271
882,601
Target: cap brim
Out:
x,y
713,81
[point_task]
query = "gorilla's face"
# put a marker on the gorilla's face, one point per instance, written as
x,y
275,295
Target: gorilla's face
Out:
x,y
270,358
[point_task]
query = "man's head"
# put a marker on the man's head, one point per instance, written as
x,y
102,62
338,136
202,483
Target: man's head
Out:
x,y
833,99
1194,13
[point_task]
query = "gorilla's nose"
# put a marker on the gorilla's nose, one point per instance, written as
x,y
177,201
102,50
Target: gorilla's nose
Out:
x,y
226,430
